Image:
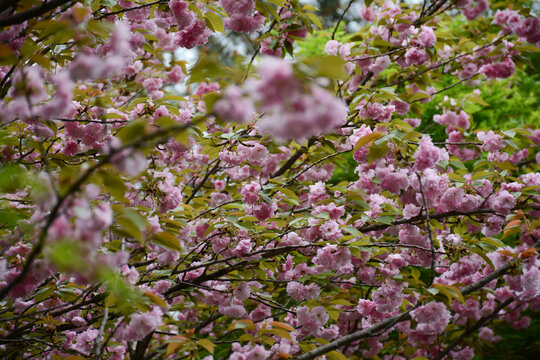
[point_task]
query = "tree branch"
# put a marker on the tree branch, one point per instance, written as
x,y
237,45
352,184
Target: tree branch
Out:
x,y
21,17
341,18
347,339
99,338
203,181
160,135
430,234
387,323
293,159
472,329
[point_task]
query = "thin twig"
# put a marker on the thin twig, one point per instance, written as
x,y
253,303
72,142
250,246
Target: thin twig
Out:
x,y
315,164
430,234
160,135
398,82
447,88
203,181
99,338
129,9
472,329
292,159
341,18
32,13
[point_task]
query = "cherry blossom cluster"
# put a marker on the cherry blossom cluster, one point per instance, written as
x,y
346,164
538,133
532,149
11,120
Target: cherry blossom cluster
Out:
x,y
291,111
151,207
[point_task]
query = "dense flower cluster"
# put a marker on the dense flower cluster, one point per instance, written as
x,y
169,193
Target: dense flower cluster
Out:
x,y
152,206
290,111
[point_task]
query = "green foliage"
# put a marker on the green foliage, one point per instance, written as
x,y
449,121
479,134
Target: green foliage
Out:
x,y
313,44
504,104
150,210
522,344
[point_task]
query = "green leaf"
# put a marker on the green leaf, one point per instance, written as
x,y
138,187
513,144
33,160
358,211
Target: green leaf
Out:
x,y
289,48
242,324
12,178
113,115
510,133
131,221
419,96
451,292
132,131
377,151
478,100
277,2
108,3
351,230
289,193
367,139
279,332
341,302
381,43
102,29
114,185
207,344
481,253
7,57
210,100
66,256
314,19
271,10
123,295
167,241
9,218
331,67
173,98
156,299
207,67
129,228
387,220
417,109
336,355
214,21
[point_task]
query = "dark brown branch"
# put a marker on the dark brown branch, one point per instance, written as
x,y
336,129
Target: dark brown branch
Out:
x,y
315,164
432,9
430,234
140,349
341,18
447,88
292,159
203,278
21,17
130,9
387,323
362,57
347,339
438,65
473,328
99,338
418,218
161,135
257,50
203,181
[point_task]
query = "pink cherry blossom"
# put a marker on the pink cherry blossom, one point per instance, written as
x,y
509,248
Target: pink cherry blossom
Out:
x,y
141,325
299,292
426,37
432,318
427,155
312,320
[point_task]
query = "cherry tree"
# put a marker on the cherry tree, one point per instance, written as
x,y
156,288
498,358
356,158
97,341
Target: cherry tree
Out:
x,y
156,206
